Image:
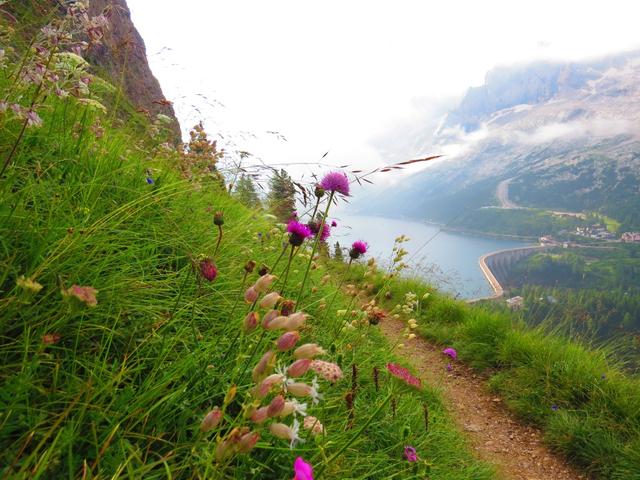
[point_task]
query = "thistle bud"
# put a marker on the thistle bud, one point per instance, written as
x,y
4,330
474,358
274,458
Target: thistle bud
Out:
x,y
269,301
287,341
249,266
263,270
211,420
319,191
251,321
218,219
208,269
286,307
264,283
250,295
308,350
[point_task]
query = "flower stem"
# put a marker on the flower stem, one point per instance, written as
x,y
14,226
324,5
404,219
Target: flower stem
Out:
x,y
219,240
286,274
315,247
354,437
342,280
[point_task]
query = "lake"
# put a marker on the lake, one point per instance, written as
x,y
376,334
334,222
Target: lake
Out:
x,y
448,260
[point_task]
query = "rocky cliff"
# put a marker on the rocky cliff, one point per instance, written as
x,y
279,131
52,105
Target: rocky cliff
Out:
x,y
123,55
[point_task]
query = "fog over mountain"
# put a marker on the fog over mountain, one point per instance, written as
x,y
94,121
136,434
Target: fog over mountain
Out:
x,y
564,135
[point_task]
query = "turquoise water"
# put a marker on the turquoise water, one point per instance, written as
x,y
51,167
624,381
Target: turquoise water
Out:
x,y
449,260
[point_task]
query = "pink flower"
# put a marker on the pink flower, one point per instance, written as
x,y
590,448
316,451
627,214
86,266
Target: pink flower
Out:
x,y
287,341
276,406
302,470
312,423
251,321
410,454
358,248
247,442
269,301
264,283
299,367
336,182
327,370
308,350
403,374
334,223
250,295
86,295
264,366
298,232
211,420
208,269
450,352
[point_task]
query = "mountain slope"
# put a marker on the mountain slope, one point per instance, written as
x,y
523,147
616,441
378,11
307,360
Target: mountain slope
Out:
x,y
566,135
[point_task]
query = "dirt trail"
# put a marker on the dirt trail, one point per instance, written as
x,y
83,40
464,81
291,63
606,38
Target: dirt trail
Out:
x,y
496,436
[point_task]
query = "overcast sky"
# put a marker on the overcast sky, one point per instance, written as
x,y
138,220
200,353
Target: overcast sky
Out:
x,y
337,75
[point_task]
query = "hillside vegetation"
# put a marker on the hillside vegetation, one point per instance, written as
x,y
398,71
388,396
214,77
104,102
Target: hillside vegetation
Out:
x,y
128,348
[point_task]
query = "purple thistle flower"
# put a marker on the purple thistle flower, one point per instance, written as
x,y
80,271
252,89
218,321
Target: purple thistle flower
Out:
x,y
410,454
449,367
450,352
336,182
326,232
298,232
358,248
334,224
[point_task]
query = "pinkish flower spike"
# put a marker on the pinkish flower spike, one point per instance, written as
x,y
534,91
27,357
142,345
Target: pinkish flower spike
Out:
x,y
403,374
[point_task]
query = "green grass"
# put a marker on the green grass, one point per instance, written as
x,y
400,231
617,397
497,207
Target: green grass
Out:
x,y
586,403
123,391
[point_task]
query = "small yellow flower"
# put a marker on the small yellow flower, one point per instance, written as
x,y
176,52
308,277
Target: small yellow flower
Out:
x,y
28,284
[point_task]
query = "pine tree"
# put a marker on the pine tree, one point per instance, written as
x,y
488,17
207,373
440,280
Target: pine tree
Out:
x,y
338,252
245,191
281,198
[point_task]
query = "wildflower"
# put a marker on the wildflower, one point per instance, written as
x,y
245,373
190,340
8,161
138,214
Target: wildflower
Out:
x,y
276,406
249,266
300,389
358,248
86,295
264,283
336,182
260,415
267,384
250,295
33,119
313,424
327,370
269,317
295,407
286,307
449,367
224,448
247,442
287,341
211,420
555,407
218,219
28,284
308,350
302,470
285,432
295,320
411,336
410,454
450,352
299,367
208,269
269,301
297,232
403,374
264,366
325,233
334,224
251,321
150,181
51,338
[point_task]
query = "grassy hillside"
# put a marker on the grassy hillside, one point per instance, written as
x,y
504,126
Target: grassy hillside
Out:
x,y
582,397
116,343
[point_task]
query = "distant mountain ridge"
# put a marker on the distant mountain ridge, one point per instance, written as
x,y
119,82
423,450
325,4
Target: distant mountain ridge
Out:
x,y
566,134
